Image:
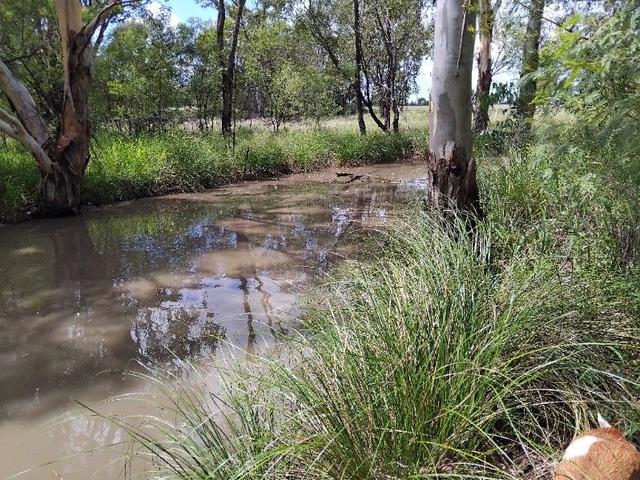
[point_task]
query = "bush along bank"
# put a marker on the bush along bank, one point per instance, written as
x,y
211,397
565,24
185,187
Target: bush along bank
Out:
x,y
124,168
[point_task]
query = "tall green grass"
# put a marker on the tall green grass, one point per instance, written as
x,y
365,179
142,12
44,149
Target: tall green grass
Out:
x,y
18,181
447,355
431,359
123,168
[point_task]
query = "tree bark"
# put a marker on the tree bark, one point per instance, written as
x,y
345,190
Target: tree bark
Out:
x,y
396,117
486,23
369,102
359,60
228,68
222,63
62,160
27,127
385,109
525,108
60,190
451,168
372,113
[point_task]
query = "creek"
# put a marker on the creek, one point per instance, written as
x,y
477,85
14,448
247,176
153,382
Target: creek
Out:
x,y
157,282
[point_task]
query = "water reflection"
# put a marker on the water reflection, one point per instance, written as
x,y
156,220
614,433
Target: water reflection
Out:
x,y
159,281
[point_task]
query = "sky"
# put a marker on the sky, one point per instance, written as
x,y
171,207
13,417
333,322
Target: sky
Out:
x,y
182,10
185,9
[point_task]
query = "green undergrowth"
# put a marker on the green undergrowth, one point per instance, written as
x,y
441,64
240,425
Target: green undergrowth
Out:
x,y
123,168
18,179
445,354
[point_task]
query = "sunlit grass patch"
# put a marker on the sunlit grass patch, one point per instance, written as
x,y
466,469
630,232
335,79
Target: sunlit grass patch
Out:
x,y
124,168
430,360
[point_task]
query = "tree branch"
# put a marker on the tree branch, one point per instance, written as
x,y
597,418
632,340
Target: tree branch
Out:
x,y
101,32
496,7
366,99
546,19
20,57
23,104
90,28
235,34
12,127
317,34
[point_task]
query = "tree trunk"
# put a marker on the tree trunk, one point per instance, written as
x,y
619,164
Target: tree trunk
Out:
x,y
486,22
451,168
385,111
62,160
222,63
228,69
388,92
525,108
396,117
326,44
393,95
359,59
372,113
60,190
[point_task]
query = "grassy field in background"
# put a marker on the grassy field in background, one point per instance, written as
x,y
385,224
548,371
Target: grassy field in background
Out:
x,y
412,117
123,168
128,167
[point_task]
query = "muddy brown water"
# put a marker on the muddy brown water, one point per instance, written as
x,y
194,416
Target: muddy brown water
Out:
x,y
156,282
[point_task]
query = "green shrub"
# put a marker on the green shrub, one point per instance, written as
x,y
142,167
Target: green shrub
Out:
x,y
353,149
429,357
497,139
575,204
310,149
124,168
264,156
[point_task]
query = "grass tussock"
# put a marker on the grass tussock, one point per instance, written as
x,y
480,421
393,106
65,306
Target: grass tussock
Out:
x,y
447,355
430,360
123,168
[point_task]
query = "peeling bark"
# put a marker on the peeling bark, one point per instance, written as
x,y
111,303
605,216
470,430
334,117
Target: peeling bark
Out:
x,y
525,108
486,21
451,168
60,189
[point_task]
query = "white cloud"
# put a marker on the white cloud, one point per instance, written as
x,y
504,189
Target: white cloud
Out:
x,y
155,8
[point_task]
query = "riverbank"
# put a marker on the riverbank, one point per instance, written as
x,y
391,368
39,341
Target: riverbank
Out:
x,y
126,168
443,354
